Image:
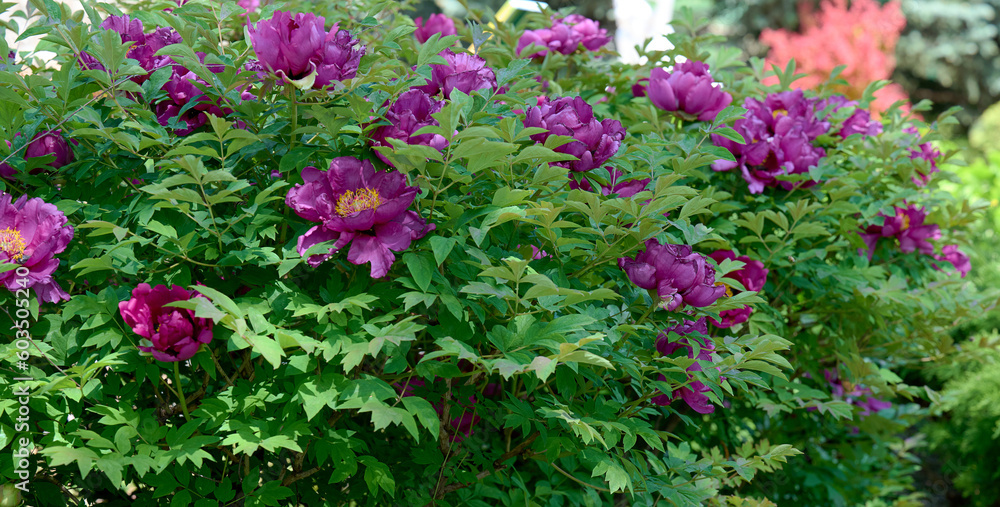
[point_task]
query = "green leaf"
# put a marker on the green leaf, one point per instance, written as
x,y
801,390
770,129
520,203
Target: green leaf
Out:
x,y
422,269
442,246
377,475
424,412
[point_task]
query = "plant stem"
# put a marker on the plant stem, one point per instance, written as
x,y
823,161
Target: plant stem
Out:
x,y
180,391
295,115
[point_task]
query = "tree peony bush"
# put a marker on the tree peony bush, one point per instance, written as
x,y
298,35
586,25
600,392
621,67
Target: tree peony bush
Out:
x,y
342,262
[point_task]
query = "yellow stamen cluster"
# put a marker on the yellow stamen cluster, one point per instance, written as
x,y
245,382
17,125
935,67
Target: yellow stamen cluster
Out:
x,y
776,112
12,244
356,201
906,222
729,290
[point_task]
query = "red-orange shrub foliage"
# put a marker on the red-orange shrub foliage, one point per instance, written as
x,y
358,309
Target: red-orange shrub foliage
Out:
x,y
861,36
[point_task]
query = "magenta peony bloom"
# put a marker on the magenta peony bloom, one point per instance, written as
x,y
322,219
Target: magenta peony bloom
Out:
x,y
436,23
356,204
853,394
32,232
860,121
923,151
183,88
294,48
677,274
595,141
341,57
564,36
249,5
464,71
957,258
411,112
908,227
617,184
144,46
779,133
753,276
175,333
694,393
50,143
688,89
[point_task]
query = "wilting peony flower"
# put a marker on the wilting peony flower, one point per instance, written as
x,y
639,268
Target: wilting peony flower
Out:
x,y
694,393
908,227
595,141
356,204
144,48
957,258
464,71
860,121
616,185
689,89
753,275
50,143
436,23
779,133
411,112
564,36
677,274
923,151
175,333
293,48
32,232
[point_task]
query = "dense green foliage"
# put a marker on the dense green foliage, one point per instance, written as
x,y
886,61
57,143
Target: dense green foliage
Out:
x,y
477,372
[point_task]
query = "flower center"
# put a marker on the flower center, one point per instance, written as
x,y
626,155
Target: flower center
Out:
x,y
906,222
12,244
356,201
776,112
729,290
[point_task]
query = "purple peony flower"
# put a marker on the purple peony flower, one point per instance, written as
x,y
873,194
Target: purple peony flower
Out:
x,y
411,112
341,57
853,394
144,46
32,232
50,143
185,87
779,133
957,258
564,36
595,142
677,274
436,23
688,89
923,151
860,121
616,184
908,227
175,333
694,393
295,47
355,204
464,71
249,5
753,275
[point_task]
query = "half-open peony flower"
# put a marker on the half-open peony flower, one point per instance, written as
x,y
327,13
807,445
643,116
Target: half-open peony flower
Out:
x,y
32,233
779,133
957,258
908,227
144,46
464,71
617,185
295,47
678,275
356,204
688,89
411,112
860,121
175,333
436,23
50,143
595,142
926,152
694,393
592,36
753,275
